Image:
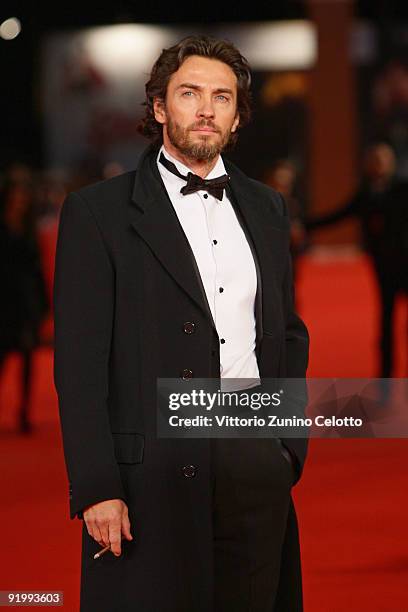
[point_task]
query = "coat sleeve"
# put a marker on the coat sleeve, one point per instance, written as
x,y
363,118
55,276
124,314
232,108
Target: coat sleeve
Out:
x,y
83,296
297,357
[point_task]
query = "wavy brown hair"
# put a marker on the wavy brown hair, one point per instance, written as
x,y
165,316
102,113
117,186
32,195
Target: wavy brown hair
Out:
x,y
170,61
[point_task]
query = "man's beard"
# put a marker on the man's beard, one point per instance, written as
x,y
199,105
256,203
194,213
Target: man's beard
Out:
x,y
203,149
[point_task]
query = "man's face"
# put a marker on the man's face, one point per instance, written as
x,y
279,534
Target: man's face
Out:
x,y
380,162
200,110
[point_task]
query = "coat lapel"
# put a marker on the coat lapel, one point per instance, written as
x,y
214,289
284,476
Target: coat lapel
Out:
x,y
153,217
268,236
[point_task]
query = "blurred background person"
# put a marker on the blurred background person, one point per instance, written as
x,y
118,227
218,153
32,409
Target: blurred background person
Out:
x,y
24,302
51,190
381,205
282,176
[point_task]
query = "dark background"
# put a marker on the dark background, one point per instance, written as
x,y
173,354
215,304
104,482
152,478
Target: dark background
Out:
x,y
21,130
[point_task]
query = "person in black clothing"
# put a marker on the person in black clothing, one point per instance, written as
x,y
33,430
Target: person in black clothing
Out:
x,y
24,300
282,176
381,205
179,269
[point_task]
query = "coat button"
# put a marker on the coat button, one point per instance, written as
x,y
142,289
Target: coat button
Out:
x,y
186,374
189,471
189,327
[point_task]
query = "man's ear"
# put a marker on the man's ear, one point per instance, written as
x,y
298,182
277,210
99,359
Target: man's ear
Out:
x,y
235,124
159,110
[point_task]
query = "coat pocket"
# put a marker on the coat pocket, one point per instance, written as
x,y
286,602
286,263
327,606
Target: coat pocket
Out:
x,y
129,447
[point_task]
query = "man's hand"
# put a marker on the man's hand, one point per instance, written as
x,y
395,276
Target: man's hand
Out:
x,y
107,521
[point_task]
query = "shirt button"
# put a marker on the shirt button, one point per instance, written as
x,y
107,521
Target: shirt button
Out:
x,y
214,241
189,471
189,327
221,289
222,341
205,195
186,374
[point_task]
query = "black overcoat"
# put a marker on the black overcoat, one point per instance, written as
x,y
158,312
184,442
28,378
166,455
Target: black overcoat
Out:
x,y
125,284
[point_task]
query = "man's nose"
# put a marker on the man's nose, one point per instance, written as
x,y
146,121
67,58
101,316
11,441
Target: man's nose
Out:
x,y
206,109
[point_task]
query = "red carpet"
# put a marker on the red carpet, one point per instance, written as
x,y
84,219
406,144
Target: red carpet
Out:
x,y
351,501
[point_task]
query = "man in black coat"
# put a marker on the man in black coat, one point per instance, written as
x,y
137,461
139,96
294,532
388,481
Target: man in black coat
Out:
x,y
381,206
180,269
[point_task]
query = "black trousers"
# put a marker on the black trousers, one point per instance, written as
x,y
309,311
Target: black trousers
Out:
x,y
392,279
256,546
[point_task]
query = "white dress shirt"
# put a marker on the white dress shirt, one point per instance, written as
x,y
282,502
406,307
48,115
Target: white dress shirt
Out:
x,y
227,270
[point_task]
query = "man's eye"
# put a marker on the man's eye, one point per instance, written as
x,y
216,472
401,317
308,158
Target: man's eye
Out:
x,y
223,98
187,93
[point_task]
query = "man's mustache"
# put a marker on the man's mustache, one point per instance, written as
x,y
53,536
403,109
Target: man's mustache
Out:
x,y
204,124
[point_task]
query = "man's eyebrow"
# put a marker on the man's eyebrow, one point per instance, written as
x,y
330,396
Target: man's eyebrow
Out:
x,y
197,87
223,90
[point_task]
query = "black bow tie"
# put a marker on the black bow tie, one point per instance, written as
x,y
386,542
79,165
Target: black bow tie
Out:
x,y
215,186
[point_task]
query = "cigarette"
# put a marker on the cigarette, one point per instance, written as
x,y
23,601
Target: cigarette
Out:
x,y
101,552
